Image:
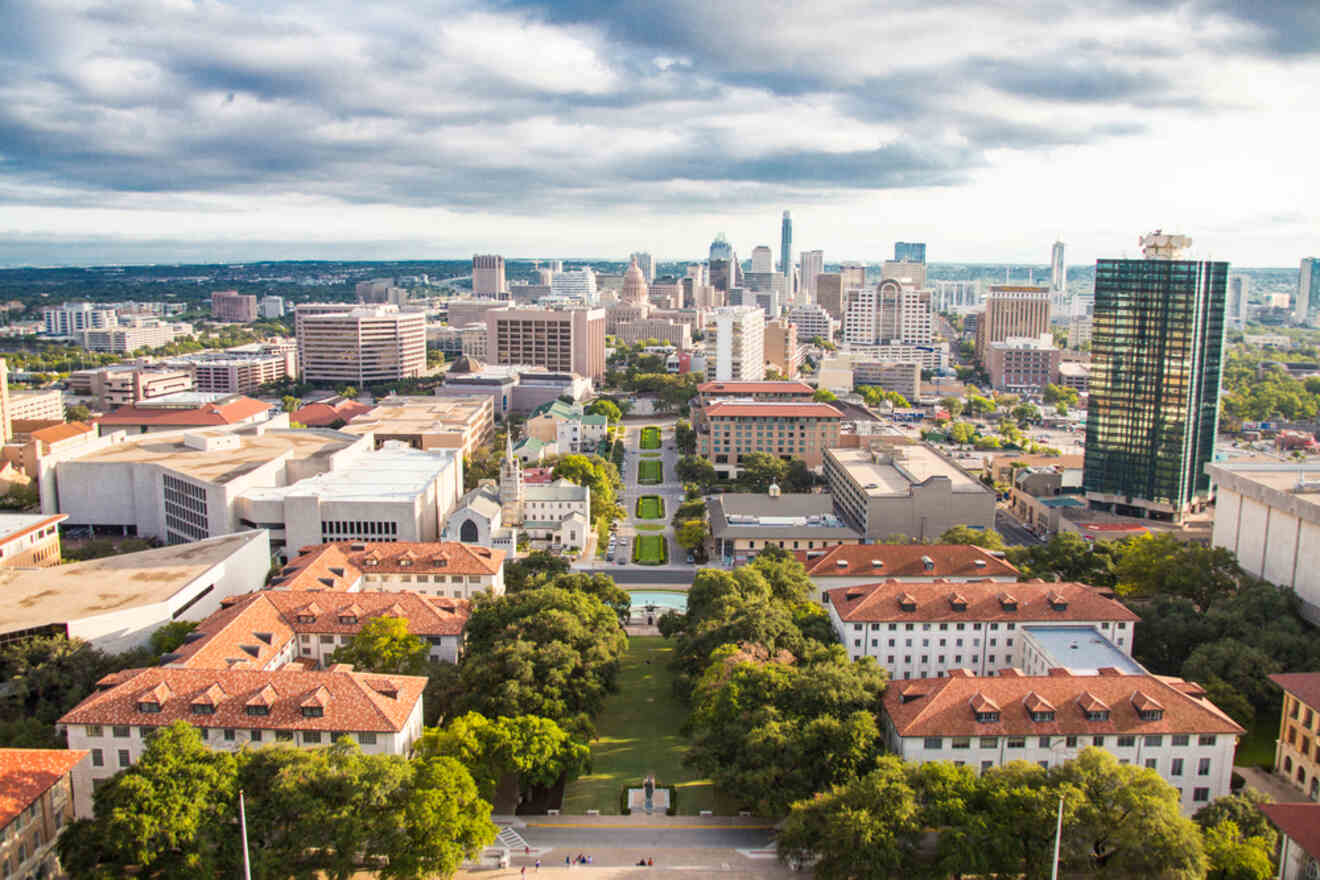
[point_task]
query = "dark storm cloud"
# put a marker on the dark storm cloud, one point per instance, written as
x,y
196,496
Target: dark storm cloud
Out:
x,y
369,103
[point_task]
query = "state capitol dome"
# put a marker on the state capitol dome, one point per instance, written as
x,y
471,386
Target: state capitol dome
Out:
x,y
634,285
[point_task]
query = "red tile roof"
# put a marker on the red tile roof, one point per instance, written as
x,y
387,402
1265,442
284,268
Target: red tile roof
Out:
x,y
207,415
355,701
946,706
1301,822
1305,686
773,408
756,388
339,565
253,631
905,560
56,433
985,600
27,774
320,415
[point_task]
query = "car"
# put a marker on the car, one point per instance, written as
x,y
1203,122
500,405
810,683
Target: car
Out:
x,y
609,557
623,562
691,559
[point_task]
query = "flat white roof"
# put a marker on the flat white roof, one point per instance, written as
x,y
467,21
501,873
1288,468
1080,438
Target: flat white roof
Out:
x,y
12,523
394,472
898,469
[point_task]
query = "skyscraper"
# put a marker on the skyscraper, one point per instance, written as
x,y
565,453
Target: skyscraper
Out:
x,y
1308,289
762,260
488,276
647,264
1010,311
1058,270
786,249
1157,347
909,252
735,344
813,264
1237,301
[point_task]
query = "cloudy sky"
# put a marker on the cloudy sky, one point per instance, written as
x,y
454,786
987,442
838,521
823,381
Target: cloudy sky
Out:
x,y
249,129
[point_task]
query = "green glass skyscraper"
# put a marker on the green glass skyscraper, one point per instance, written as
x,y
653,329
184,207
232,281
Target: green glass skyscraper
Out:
x,y
1157,349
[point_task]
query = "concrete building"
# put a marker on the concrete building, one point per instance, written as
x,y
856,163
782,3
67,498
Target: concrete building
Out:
x,y
1012,311
902,314
1269,516
782,352
829,294
811,264
905,378
37,802
647,264
461,423
232,306
813,321
1297,750
734,344
859,317
361,346
272,307
26,406
1153,405
910,251
126,385
144,333
1075,375
242,706
239,370
184,410
576,285
763,262
437,568
742,524
1308,290
865,565
395,493
513,389
1158,722
1079,332
117,602
71,319
488,276
1023,365
1299,839
926,630
906,490
730,430
30,540
559,340
661,329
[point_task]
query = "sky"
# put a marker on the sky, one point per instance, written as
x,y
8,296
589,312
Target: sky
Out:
x,y
230,130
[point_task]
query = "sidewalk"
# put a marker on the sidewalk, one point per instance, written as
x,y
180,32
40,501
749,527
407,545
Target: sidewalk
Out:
x,y
1272,785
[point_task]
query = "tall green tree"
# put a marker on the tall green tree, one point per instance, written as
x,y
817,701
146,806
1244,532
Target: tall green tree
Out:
x,y
533,570
607,408
602,586
1160,564
759,470
385,645
987,538
1237,856
695,469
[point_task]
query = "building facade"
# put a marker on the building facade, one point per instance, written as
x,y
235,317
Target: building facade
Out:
x,y
1297,750
734,344
812,321
1012,311
787,431
30,540
562,340
362,346
37,801
810,264
909,252
440,569
1156,356
1023,365
232,306
488,276
71,319
782,352
905,378
1308,290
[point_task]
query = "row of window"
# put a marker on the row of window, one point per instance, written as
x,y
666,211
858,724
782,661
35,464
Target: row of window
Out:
x,y
926,627
1124,741
356,529
229,734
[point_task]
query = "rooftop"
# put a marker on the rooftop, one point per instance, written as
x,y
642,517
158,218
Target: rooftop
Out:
x,y
1305,686
220,466
420,415
341,564
27,774
757,515
883,561
14,524
801,388
36,597
186,412
1301,822
895,470
1293,487
944,706
976,600
347,701
326,412
56,433
778,409
394,471
1082,650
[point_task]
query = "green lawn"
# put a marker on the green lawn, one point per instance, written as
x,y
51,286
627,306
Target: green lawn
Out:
x,y
650,507
650,437
649,473
649,527
639,735
1256,749
650,550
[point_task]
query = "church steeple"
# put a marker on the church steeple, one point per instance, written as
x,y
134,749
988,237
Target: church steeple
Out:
x,y
511,483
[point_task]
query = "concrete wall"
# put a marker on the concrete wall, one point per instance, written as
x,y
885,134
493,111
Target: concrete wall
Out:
x,y
931,509
1271,543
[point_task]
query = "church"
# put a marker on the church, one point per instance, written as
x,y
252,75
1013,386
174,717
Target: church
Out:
x,y
491,515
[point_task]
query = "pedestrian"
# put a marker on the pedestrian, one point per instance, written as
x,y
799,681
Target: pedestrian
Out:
x,y
538,867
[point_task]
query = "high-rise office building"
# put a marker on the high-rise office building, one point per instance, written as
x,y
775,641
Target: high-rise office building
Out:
x,y
903,314
1236,313
488,276
762,260
812,264
853,275
1058,269
1012,311
859,317
735,344
781,347
909,252
1308,289
361,345
647,264
829,293
786,247
575,284
1157,346
561,340
230,305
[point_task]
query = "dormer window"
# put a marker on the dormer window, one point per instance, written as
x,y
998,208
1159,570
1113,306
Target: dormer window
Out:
x,y
1151,714
1057,601
307,618
1097,715
1041,716
957,601
257,709
348,618
149,707
987,717
907,602
1008,602
203,709
313,711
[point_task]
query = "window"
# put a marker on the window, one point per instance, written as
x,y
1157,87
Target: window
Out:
x,y
255,735
367,738
120,731
1100,715
1176,767
204,733
93,730
1046,715
1017,742
1151,714
962,742
1181,739
229,734
1152,764
857,643
311,736
1154,739
989,742
986,765
123,757
1044,742
1127,742
987,717
1205,739
1098,741
257,710
1200,795
284,736
1203,767
203,709
98,759
1071,742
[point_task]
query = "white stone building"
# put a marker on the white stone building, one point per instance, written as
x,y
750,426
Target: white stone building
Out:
x,y
437,568
1158,722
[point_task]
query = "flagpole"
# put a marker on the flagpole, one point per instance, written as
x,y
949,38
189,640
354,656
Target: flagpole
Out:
x,y
1059,833
247,867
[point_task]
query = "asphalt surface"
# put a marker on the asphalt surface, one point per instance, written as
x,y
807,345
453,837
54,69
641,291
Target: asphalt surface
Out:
x,y
1013,531
583,836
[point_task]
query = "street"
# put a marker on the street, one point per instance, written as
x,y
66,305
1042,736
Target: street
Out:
x,y
1013,531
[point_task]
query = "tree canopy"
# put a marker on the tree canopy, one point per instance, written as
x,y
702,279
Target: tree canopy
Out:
x,y
385,645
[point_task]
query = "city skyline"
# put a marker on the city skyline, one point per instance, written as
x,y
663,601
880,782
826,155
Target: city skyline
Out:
x,y
308,131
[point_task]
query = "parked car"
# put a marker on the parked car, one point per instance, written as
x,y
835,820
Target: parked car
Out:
x,y
691,559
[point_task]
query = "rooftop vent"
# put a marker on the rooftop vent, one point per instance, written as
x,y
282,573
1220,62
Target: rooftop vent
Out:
x,y
928,563
979,563
877,563
841,563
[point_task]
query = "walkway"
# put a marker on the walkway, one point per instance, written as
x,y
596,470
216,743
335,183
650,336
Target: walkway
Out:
x,y
1272,785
